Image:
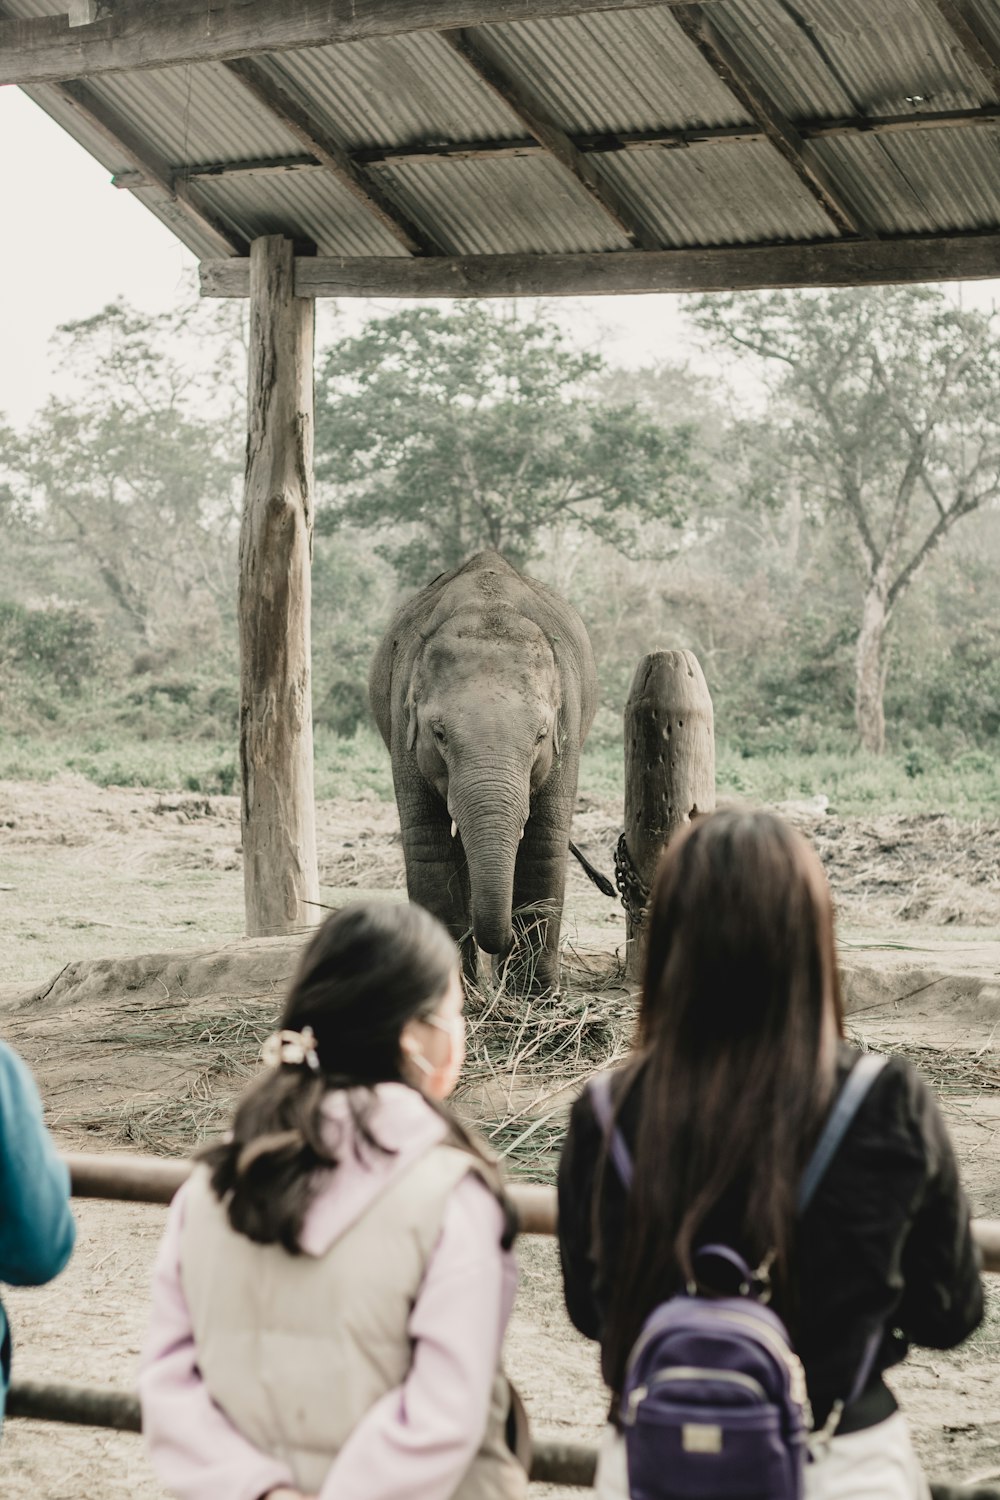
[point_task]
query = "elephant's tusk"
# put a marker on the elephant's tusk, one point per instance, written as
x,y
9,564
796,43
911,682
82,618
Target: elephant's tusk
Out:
x,y
454,828
520,836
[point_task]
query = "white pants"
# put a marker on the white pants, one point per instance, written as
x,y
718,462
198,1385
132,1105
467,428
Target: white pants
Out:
x,y
877,1464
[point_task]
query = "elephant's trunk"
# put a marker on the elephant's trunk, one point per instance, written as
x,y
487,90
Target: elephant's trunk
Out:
x,y
490,806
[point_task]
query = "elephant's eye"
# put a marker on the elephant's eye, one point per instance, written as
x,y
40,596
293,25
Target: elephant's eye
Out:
x,y
542,734
437,730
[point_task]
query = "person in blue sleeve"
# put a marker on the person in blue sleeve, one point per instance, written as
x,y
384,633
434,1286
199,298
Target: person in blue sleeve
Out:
x,y
36,1226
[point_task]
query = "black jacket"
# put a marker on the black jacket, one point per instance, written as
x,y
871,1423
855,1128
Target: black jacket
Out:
x,y
885,1241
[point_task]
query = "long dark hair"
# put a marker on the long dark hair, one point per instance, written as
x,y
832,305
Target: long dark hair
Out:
x,y
740,1000
367,971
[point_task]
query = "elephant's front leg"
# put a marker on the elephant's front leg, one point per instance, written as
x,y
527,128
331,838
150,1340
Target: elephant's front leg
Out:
x,y
437,875
539,887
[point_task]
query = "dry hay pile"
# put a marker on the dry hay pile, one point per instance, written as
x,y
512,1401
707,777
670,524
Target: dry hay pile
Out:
x,y
932,868
960,1071
528,1057
151,1054
179,1076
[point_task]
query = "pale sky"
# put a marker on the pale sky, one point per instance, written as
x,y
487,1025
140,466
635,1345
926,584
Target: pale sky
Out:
x,y
70,243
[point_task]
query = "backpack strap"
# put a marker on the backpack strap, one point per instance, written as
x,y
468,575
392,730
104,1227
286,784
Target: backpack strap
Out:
x,y
599,1094
859,1080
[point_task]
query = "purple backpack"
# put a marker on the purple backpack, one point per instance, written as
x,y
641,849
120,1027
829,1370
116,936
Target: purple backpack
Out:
x,y
714,1403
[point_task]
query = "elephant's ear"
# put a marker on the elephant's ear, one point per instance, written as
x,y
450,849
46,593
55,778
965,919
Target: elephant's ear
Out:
x,y
411,718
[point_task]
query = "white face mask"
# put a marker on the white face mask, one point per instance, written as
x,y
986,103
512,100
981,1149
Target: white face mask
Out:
x,y
439,1079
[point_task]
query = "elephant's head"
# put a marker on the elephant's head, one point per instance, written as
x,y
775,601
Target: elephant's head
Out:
x,y
483,712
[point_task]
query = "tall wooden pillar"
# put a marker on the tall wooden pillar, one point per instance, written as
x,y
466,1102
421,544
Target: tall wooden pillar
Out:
x,y
669,771
280,877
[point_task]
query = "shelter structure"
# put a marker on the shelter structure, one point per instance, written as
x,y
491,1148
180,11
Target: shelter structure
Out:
x,y
456,148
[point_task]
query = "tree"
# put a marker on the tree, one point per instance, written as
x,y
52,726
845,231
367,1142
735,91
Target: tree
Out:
x,y
454,431
135,474
888,409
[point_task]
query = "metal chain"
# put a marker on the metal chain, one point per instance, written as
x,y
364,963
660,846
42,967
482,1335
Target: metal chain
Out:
x,y
633,891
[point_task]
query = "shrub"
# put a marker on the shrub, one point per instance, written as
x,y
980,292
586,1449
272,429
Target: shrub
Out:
x,y
344,707
55,643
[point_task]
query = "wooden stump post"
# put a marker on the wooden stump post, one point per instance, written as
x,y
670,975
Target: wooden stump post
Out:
x,y
280,878
669,770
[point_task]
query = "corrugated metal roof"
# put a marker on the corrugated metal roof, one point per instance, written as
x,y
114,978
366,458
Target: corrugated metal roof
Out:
x,y
849,57
303,205
921,183
502,207
596,75
626,70
720,195
196,114
398,90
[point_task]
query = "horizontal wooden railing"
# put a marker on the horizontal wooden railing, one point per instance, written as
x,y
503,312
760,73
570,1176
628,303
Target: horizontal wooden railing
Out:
x,y
139,1179
145,1179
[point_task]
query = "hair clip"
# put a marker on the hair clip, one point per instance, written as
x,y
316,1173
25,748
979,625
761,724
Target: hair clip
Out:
x,y
294,1048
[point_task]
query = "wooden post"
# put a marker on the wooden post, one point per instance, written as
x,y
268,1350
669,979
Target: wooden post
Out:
x,y
280,878
669,771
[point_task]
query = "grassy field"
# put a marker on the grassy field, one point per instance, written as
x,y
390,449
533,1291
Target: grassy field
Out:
x,y
968,786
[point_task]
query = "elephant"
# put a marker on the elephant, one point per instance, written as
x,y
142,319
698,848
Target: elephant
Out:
x,y
483,689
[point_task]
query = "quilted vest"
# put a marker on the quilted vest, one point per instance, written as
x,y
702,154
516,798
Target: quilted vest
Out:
x,y
295,1349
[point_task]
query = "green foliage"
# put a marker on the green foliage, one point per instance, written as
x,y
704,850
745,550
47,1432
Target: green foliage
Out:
x,y
863,785
883,429
453,431
134,477
354,595
343,708
55,643
968,785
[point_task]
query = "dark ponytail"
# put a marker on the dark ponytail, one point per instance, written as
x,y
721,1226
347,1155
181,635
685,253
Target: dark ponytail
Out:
x,y
368,970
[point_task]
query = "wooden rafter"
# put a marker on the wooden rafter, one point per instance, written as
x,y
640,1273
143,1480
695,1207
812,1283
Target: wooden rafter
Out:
x,y
180,201
979,47
601,144
248,166
535,115
280,102
136,34
827,263
610,143
779,130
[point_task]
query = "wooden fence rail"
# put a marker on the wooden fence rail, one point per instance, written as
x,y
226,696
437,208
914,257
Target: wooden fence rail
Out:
x,y
149,1179
552,1461
137,1179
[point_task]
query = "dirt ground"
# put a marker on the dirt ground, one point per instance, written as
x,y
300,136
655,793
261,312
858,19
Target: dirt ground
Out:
x,y
146,1053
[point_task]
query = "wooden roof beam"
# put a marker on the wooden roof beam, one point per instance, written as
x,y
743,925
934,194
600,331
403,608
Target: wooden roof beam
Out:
x,y
182,203
611,143
151,169
280,102
537,118
250,166
754,99
135,34
979,47
736,268
602,144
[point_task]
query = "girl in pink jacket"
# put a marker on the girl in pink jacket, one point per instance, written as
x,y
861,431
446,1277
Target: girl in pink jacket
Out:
x,y
331,1293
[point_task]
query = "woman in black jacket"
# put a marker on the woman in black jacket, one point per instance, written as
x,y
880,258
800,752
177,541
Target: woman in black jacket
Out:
x,y
739,1056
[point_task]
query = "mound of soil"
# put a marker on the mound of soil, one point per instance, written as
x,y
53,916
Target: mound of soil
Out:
x,y
252,968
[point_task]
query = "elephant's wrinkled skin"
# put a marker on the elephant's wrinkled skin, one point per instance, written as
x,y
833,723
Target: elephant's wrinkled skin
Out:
x,y
484,688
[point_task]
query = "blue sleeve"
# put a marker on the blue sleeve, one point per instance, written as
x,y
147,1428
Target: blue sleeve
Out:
x,y
36,1226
